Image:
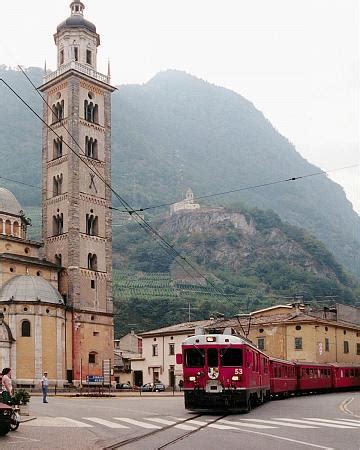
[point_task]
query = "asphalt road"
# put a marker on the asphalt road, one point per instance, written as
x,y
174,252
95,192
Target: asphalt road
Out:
x,y
328,421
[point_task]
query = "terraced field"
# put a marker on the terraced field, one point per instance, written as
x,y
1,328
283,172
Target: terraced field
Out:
x,y
128,284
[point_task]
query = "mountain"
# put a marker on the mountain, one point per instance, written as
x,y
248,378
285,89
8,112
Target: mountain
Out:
x,y
178,131
250,258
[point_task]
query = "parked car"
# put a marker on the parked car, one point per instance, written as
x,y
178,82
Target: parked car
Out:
x,y
153,387
123,386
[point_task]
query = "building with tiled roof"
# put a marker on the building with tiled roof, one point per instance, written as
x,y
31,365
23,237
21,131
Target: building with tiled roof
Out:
x,y
291,332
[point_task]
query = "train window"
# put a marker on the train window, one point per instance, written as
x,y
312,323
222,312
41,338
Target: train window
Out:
x,y
302,372
307,372
231,357
352,372
195,357
212,357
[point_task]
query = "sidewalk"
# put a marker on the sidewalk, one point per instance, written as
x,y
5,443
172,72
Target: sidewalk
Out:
x,y
112,394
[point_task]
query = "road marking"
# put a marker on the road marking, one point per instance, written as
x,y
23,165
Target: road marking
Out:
x,y
137,423
274,436
351,421
104,422
222,427
277,422
339,422
56,422
344,407
197,422
243,424
169,422
309,422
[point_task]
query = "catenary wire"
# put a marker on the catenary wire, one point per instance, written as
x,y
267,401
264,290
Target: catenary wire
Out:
x,y
247,188
169,248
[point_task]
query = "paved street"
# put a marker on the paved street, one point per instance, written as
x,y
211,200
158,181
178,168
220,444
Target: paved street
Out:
x,y
330,421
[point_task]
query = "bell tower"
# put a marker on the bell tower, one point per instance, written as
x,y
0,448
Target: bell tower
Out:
x,y
76,195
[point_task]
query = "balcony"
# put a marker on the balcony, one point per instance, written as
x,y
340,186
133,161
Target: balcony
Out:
x,y
82,68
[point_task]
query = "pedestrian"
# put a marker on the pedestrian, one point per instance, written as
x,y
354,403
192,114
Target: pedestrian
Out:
x,y
6,384
45,387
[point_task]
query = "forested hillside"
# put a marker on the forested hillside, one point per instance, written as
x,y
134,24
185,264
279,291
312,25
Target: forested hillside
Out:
x,y
178,131
250,259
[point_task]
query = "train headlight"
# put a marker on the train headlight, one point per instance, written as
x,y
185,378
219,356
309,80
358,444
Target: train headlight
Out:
x,y
235,378
210,339
192,378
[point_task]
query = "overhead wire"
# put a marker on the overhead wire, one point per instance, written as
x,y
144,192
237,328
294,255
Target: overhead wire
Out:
x,y
247,188
169,248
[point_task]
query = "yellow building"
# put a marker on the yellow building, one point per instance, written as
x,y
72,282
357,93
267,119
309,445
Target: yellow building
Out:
x,y
290,332
56,311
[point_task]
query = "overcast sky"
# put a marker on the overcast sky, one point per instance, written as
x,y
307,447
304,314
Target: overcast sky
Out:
x,y
296,60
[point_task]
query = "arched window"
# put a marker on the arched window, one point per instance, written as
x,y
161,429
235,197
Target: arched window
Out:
x,y
91,112
58,111
25,328
58,147
91,148
92,261
57,185
58,224
16,228
91,225
92,357
8,227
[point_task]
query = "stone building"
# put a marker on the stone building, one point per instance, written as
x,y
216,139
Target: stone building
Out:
x,y
56,296
188,204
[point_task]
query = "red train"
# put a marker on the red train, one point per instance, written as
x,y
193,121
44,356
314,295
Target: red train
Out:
x,y
226,372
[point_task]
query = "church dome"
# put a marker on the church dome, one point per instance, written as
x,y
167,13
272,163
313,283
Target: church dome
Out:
x,y
8,203
25,288
76,21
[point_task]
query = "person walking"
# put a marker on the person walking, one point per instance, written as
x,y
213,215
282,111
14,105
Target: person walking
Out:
x,y
45,387
6,384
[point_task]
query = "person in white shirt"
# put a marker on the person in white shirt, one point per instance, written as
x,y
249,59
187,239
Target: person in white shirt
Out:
x,y
45,387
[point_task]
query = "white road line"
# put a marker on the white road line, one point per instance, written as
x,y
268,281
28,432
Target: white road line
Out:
x,y
60,422
243,424
197,422
282,438
104,422
338,422
169,422
277,422
309,422
222,427
137,423
348,420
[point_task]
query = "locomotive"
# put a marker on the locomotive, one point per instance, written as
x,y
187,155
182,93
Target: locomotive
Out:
x,y
228,372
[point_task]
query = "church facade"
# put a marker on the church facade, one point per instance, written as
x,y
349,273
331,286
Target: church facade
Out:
x,y
56,310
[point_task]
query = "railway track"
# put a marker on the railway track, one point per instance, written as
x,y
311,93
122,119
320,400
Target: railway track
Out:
x,y
145,436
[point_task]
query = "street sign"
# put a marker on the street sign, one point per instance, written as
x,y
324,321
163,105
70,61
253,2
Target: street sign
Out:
x,y
94,379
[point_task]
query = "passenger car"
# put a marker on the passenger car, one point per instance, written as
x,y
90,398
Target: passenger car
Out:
x,y
153,387
123,386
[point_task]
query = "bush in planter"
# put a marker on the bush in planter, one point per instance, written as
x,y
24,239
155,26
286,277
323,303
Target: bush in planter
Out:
x,y
21,397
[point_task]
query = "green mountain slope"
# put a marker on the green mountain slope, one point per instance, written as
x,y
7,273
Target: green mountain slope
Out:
x,y
251,259
178,131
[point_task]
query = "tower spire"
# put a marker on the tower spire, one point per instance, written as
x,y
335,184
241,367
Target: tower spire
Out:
x,y
77,8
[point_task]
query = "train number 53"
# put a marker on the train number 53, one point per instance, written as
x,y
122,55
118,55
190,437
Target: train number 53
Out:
x,y
238,372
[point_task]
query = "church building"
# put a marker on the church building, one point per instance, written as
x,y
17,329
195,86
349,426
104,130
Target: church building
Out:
x,y
56,310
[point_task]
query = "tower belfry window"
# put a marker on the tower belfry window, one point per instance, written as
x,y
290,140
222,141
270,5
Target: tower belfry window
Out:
x,y
57,185
92,261
58,144
88,57
76,53
58,224
91,147
61,57
91,225
58,111
91,112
